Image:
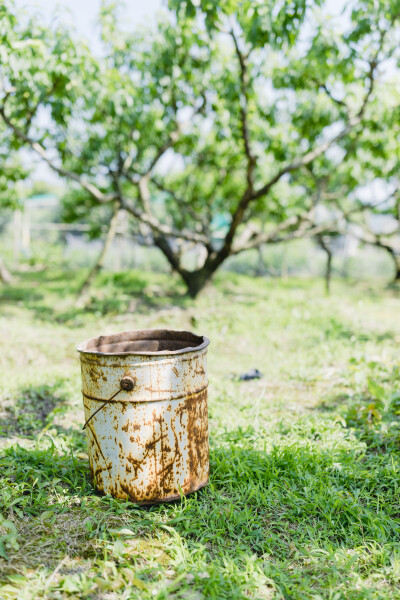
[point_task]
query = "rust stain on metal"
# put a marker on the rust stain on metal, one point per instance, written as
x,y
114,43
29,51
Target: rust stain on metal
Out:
x,y
150,442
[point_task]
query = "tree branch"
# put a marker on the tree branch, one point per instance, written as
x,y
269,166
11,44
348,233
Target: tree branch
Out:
x,y
159,228
142,184
302,226
251,195
40,150
172,138
172,257
307,158
268,237
98,195
185,206
323,86
99,264
244,103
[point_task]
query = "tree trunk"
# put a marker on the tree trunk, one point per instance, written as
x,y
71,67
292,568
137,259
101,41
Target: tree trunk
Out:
x,y
260,268
99,264
395,258
196,280
328,268
397,275
5,275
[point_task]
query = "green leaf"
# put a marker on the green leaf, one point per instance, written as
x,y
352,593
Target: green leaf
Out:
x,y
376,390
3,552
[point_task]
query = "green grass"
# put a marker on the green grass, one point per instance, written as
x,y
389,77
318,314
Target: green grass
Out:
x,y
304,495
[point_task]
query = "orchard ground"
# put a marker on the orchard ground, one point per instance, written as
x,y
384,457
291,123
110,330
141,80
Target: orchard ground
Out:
x,y
304,494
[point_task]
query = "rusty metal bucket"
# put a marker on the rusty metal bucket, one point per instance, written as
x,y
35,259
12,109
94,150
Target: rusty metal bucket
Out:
x,y
145,400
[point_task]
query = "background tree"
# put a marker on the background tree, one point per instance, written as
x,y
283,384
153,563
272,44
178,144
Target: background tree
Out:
x,y
11,173
364,187
216,114
379,226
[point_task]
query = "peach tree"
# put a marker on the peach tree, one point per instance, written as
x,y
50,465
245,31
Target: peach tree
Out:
x,y
209,128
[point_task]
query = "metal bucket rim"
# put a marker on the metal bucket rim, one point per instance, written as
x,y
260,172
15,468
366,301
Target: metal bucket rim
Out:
x,y
81,348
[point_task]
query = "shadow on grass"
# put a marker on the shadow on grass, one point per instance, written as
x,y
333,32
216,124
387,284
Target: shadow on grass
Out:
x,y
267,502
257,501
293,509
29,412
334,328
331,404
19,294
54,295
47,496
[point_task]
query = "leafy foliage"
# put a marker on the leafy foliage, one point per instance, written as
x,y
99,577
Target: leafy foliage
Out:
x,y
233,110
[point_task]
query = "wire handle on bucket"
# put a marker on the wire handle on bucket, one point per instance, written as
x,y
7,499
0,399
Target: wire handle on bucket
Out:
x,y
126,384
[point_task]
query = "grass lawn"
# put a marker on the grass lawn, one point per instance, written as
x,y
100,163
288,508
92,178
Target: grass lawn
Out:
x,y
304,495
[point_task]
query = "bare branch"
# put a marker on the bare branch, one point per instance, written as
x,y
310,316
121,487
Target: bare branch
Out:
x,y
144,217
373,64
367,236
249,195
371,76
332,97
144,193
141,182
173,138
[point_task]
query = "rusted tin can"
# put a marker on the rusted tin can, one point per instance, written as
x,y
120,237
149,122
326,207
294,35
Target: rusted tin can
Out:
x,y
145,400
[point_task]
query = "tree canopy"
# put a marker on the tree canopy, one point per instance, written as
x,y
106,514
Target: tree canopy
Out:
x,y
245,113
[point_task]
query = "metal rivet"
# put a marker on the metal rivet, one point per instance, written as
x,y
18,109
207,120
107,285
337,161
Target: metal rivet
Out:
x,y
127,383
